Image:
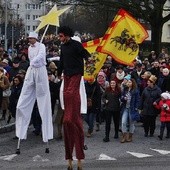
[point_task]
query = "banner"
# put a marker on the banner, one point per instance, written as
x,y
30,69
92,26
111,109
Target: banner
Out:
x,y
95,62
122,38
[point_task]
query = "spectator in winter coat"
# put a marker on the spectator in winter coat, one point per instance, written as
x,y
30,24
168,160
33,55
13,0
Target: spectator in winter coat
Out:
x,y
150,94
93,94
164,106
16,87
111,98
164,80
130,103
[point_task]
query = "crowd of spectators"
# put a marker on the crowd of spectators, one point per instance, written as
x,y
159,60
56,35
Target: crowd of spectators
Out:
x,y
136,90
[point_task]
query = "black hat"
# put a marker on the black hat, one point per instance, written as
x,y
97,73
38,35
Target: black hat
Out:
x,y
15,61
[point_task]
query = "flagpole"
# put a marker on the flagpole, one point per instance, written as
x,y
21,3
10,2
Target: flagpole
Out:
x,y
44,33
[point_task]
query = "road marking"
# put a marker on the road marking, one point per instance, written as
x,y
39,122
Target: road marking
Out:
x,y
8,157
39,158
105,157
163,152
139,155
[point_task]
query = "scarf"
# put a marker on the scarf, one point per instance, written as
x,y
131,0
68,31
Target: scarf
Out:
x,y
120,76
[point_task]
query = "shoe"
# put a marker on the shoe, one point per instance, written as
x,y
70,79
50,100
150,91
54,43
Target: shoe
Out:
x,y
116,136
146,135
79,168
160,137
36,132
85,147
88,135
15,138
151,135
70,168
106,139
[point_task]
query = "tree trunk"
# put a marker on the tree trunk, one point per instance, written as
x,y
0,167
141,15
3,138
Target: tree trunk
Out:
x,y
156,37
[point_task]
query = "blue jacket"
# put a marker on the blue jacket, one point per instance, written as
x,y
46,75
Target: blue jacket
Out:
x,y
134,103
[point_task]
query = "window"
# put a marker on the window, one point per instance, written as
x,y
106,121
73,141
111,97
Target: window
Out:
x,y
34,27
28,28
168,34
27,17
35,17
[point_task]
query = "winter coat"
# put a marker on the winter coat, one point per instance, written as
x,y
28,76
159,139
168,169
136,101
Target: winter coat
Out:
x,y
165,113
148,97
134,103
96,97
13,99
113,99
164,83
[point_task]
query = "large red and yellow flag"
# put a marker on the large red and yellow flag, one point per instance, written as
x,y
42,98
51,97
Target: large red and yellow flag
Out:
x,y
95,62
122,38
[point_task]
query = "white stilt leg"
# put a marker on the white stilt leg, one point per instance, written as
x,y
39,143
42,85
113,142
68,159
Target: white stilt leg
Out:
x,y
18,147
47,149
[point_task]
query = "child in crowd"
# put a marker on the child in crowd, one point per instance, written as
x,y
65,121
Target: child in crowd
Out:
x,y
164,106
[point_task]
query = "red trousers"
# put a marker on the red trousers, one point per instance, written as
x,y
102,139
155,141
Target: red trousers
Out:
x,y
72,121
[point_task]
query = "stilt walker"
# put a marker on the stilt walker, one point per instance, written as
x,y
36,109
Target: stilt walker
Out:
x,y
72,65
35,87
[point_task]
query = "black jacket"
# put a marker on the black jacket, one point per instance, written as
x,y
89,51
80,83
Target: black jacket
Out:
x,y
71,59
149,96
96,97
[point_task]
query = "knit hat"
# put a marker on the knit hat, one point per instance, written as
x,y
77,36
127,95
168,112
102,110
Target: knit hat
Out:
x,y
127,77
101,73
165,95
153,78
165,70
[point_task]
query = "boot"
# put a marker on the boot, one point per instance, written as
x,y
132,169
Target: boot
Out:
x,y
89,133
161,133
129,137
168,135
9,118
116,136
124,137
106,139
97,127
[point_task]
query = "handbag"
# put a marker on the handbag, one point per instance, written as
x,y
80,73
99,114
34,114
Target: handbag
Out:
x,y
7,92
89,99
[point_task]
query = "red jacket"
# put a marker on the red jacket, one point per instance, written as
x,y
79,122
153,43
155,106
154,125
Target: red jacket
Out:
x,y
165,114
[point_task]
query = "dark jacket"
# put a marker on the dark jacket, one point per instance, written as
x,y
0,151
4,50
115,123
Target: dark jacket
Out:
x,y
148,97
13,99
96,97
113,98
134,103
71,59
164,83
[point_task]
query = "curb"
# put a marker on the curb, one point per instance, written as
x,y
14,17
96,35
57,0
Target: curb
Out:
x,y
7,128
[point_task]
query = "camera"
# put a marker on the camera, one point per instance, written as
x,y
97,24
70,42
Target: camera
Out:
x,y
165,106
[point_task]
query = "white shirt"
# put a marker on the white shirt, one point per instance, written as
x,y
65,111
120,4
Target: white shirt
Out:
x,y
37,55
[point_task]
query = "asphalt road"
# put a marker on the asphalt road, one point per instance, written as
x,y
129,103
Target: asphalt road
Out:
x,y
144,153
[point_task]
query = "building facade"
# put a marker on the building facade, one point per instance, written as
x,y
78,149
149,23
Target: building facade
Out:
x,y
26,11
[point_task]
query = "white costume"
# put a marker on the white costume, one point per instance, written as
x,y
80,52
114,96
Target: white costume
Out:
x,y
83,97
36,86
